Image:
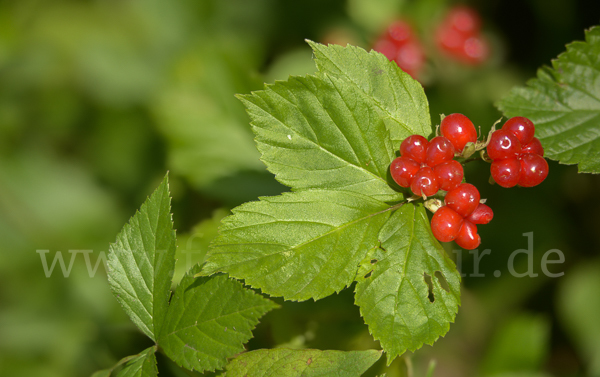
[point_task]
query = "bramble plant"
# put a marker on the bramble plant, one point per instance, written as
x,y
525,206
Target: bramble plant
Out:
x,y
350,142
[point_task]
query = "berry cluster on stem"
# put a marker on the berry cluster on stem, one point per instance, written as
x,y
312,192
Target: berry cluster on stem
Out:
x,y
457,219
428,168
517,156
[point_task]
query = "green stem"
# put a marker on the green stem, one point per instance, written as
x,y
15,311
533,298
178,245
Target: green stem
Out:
x,y
431,368
409,366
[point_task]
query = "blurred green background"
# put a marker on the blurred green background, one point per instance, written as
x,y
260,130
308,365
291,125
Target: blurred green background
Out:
x,y
98,99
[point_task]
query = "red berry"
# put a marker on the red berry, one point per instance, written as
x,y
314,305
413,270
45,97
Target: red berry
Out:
x,y
534,146
521,127
467,236
475,50
450,40
439,150
464,20
424,182
403,169
517,154
399,32
503,144
415,148
506,172
459,130
410,57
482,214
449,174
445,224
387,48
463,199
534,169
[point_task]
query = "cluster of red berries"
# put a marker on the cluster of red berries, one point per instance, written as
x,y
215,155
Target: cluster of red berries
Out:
x,y
400,44
517,155
429,168
456,220
458,37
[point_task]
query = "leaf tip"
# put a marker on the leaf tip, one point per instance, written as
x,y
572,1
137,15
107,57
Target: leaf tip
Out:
x,y
311,43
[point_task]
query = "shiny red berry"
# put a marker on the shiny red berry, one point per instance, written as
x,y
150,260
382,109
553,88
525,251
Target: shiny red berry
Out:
x,y
445,224
415,148
463,199
521,127
506,172
534,146
534,169
459,130
483,214
424,182
439,150
449,174
403,169
467,236
503,144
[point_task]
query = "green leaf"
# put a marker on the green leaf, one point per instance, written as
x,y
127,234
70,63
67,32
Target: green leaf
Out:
x,y
299,245
398,98
141,262
564,104
143,365
282,362
140,365
317,132
209,319
394,298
